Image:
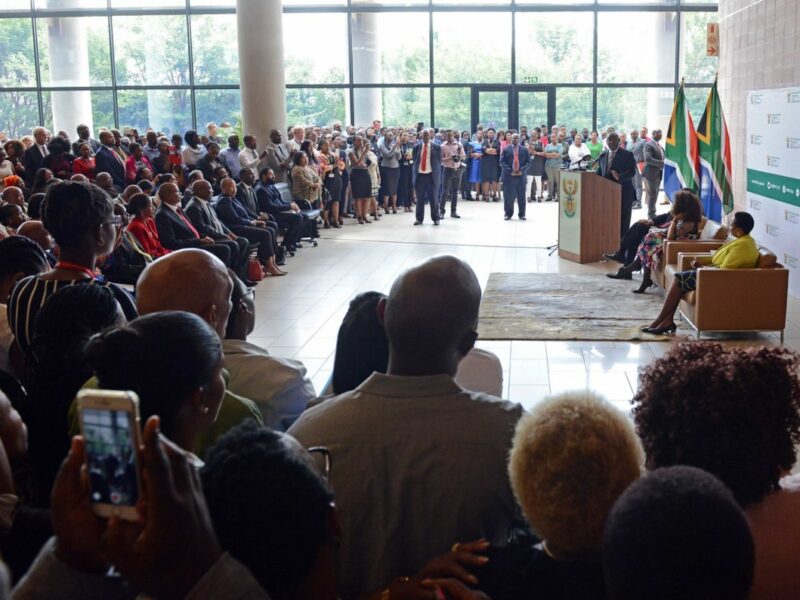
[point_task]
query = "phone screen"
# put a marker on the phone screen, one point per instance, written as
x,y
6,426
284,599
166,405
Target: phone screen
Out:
x,y
111,456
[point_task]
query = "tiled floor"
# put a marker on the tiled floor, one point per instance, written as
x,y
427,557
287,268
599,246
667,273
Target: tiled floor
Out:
x,y
298,316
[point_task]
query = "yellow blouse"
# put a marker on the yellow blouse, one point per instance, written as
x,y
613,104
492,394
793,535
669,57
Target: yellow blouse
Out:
x,y
741,253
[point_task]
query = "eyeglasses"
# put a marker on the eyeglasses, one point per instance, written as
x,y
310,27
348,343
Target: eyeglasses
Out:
x,y
326,462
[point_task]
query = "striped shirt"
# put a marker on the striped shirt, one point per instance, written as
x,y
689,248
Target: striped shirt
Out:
x,y
30,294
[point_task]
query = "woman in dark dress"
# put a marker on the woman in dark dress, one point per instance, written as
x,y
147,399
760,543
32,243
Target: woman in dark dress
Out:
x,y
360,181
332,181
404,187
466,194
490,166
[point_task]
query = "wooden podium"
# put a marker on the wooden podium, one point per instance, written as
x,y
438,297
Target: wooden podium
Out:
x,y
589,213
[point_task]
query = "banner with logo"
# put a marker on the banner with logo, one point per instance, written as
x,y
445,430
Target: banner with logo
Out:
x,y
773,174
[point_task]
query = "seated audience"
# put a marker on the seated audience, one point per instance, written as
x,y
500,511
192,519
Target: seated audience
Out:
x,y
210,162
128,259
278,386
287,214
430,318
740,253
170,283
11,217
34,230
571,458
136,163
58,368
35,206
13,195
136,357
85,164
143,226
109,160
205,220
20,257
41,181
246,194
80,218
734,412
59,159
235,217
678,533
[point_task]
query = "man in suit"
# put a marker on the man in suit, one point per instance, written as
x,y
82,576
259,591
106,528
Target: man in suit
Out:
x,y
618,165
425,174
636,145
108,161
176,231
236,218
210,162
514,163
85,137
207,223
279,158
653,170
246,195
287,214
33,156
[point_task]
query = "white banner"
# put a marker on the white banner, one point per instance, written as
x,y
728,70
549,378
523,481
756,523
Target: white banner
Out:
x,y
773,174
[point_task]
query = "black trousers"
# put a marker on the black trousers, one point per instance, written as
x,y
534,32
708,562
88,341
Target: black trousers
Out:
x,y
425,188
631,240
234,253
257,235
514,193
627,211
452,180
292,225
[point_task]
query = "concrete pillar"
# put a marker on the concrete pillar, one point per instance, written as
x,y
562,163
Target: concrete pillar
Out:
x,y
69,66
367,102
261,71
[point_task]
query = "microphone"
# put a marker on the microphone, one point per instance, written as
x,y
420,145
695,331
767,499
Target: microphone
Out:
x,y
601,155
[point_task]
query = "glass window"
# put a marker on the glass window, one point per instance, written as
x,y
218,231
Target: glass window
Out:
x,y
68,4
390,47
452,107
471,1
403,107
215,50
216,3
554,47
9,5
696,66
532,108
696,99
554,1
619,62
314,3
74,51
628,108
147,4
16,49
218,106
309,61
574,107
64,110
316,106
169,111
163,60
19,113
460,55
493,108
639,1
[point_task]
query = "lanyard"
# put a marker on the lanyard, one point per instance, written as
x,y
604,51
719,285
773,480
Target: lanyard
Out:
x,y
68,266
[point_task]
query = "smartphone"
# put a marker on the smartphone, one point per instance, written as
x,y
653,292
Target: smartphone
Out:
x,y
110,427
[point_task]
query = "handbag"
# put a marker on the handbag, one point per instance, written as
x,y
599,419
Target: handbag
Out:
x,y
255,272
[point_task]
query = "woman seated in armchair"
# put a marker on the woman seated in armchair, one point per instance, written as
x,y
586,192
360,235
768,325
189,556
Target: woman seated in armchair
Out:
x,y
739,253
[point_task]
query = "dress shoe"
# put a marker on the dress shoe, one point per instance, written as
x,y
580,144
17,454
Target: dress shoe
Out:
x,y
522,218
660,330
455,216
436,223
622,273
507,218
647,283
417,222
615,257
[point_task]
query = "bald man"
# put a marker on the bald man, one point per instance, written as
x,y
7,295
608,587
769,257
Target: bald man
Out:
x,y
13,195
106,183
173,283
419,462
34,230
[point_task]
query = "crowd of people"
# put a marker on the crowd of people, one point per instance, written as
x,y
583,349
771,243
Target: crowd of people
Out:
x,y
407,477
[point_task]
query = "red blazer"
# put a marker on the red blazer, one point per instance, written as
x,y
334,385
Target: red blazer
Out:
x,y
147,234
130,167
84,167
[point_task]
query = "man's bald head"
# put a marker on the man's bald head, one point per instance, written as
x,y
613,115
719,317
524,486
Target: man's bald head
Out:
x,y
432,312
34,230
191,280
13,195
228,186
104,180
202,189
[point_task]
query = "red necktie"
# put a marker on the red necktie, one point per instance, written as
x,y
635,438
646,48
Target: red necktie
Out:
x,y
188,223
516,158
423,165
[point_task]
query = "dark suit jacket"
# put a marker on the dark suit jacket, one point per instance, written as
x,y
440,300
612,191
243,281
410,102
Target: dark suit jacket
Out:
x,y
205,221
269,199
507,160
231,212
436,162
204,164
107,162
625,166
248,200
32,161
93,144
172,231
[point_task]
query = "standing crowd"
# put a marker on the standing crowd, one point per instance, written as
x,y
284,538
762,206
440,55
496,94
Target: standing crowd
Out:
x,y
407,477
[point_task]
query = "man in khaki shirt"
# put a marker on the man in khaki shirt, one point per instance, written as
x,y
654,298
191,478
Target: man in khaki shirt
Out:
x,y
417,462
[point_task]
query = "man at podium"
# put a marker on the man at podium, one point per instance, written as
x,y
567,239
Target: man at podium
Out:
x,y
617,164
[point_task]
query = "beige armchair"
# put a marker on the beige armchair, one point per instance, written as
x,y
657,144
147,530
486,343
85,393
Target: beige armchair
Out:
x,y
736,299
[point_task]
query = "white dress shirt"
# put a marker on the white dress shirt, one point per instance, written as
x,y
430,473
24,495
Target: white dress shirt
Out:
x,y
190,155
418,463
278,386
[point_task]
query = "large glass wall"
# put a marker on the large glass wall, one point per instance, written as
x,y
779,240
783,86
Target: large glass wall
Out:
x,y
173,64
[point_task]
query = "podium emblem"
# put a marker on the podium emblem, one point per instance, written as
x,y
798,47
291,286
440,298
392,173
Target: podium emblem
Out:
x,y
569,188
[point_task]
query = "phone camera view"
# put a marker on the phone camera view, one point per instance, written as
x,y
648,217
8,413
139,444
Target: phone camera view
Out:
x,y
111,457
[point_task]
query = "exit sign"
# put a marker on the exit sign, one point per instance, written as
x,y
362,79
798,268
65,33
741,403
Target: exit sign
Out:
x,y
712,39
